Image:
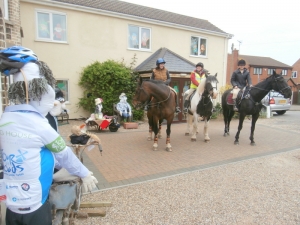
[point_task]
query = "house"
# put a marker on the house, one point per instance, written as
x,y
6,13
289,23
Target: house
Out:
x,y
10,34
71,34
296,80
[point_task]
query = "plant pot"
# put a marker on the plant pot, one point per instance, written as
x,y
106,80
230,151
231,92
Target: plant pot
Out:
x,y
130,125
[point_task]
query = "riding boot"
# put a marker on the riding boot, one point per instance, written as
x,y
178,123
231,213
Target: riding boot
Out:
x,y
186,106
234,106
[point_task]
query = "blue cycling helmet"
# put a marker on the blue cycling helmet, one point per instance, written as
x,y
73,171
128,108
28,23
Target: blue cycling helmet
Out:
x,y
159,61
19,54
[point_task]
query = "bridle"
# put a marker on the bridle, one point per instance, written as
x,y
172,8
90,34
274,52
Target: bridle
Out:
x,y
276,79
148,102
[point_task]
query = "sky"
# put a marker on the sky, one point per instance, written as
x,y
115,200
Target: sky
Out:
x,y
269,28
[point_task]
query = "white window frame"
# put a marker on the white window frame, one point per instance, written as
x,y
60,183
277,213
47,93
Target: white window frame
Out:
x,y
284,72
199,46
6,13
51,39
257,71
140,38
270,71
294,74
67,95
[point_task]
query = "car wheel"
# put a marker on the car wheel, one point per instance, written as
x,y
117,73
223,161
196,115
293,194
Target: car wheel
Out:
x,y
281,112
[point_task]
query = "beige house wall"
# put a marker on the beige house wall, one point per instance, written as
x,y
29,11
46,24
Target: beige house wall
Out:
x,y
92,36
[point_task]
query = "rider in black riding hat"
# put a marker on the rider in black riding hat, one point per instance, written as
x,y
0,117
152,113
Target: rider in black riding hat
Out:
x,y
240,78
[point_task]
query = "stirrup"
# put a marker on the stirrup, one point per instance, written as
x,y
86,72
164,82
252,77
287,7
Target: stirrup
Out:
x,y
235,109
177,110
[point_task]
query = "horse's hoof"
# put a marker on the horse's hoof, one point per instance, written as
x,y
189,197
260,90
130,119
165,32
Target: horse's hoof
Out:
x,y
206,141
225,135
253,144
236,143
149,139
168,149
154,148
160,136
193,139
187,134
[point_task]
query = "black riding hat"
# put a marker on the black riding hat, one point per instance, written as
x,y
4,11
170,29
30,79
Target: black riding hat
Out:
x,y
200,64
241,62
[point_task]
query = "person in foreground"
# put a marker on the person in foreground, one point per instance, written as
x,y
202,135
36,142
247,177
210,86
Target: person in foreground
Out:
x,y
30,145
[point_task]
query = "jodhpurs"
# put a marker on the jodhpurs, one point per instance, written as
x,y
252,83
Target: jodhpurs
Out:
x,y
235,91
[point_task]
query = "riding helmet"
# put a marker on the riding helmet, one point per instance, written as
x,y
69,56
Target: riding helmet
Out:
x,y
241,62
19,54
200,64
159,61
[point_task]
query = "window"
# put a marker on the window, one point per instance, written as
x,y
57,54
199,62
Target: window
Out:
x,y
294,74
51,26
139,38
63,85
6,15
257,71
270,71
198,46
284,72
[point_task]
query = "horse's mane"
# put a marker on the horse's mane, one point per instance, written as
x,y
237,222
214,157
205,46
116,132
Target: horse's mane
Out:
x,y
155,81
210,79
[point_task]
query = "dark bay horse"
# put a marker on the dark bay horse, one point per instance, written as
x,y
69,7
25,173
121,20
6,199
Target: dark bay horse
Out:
x,y
250,103
201,104
161,103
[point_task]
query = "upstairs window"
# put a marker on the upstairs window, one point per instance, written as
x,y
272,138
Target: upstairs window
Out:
x,y
294,74
198,46
139,38
51,26
258,71
270,71
284,72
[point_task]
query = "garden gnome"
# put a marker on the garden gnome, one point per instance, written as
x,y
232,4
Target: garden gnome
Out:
x,y
98,110
123,107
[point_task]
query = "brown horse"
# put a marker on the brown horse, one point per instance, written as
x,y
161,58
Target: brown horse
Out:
x,y
161,103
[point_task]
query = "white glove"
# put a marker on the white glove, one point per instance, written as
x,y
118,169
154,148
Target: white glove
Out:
x,y
89,183
120,113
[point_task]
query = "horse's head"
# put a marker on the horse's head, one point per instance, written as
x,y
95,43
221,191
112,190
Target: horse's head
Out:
x,y
140,98
279,84
211,86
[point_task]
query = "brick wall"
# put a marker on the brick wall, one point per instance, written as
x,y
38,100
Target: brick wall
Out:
x,y
13,26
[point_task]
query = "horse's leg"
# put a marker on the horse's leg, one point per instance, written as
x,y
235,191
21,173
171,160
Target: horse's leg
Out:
x,y
159,129
226,121
241,120
205,129
168,139
195,123
150,133
155,130
254,119
188,124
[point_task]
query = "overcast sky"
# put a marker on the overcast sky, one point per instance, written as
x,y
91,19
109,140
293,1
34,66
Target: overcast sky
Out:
x,y
268,28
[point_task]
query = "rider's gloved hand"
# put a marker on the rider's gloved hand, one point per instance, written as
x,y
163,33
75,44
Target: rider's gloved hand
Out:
x,y
89,183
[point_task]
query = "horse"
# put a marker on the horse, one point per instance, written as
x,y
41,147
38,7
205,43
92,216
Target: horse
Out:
x,y
161,103
206,90
250,103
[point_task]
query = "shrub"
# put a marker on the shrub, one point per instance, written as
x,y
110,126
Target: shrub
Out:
x,y
107,80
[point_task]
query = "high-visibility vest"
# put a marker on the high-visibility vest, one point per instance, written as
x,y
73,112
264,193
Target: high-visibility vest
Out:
x,y
198,78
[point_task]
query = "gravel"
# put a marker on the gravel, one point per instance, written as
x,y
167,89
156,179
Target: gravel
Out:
x,y
258,191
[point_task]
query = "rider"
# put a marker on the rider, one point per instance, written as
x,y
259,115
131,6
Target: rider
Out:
x,y
30,145
239,79
161,73
196,76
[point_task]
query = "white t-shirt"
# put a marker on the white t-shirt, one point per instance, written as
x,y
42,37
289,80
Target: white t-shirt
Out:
x,y
29,146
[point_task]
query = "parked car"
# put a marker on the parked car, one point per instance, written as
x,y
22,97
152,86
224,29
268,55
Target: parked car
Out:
x,y
277,102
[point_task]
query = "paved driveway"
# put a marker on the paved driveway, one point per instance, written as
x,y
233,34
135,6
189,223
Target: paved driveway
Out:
x,y
128,157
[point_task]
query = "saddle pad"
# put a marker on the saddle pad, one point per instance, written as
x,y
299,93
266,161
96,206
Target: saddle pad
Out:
x,y
229,99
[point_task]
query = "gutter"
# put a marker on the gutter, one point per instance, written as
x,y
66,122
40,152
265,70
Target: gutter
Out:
x,y
123,16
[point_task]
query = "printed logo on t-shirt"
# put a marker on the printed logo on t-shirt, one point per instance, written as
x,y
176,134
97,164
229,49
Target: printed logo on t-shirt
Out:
x,y
57,145
25,186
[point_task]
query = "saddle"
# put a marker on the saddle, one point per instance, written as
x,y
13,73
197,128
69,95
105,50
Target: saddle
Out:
x,y
240,96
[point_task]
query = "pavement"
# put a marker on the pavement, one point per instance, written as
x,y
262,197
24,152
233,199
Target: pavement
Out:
x,y
128,158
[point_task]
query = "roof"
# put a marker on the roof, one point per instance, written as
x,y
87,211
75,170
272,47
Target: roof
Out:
x,y
145,12
174,62
262,61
